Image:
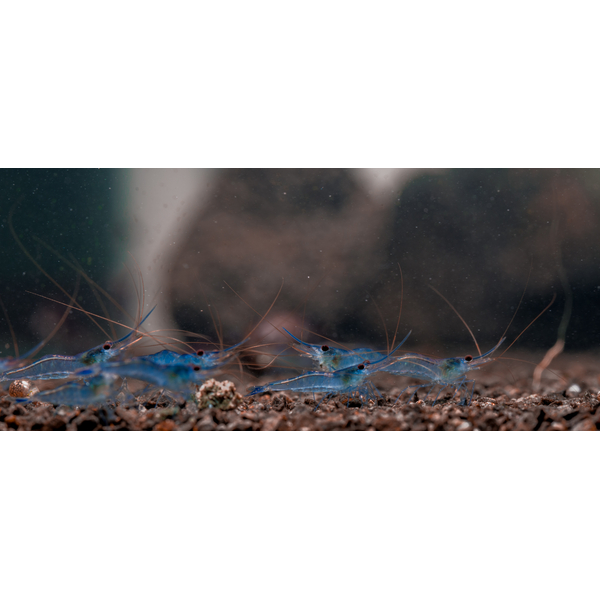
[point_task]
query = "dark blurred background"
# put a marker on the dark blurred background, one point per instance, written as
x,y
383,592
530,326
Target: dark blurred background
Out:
x,y
72,211
336,237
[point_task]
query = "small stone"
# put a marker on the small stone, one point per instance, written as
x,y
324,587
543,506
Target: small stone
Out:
x,y
166,425
218,394
22,388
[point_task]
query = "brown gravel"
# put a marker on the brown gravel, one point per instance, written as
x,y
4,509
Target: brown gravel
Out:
x,y
294,413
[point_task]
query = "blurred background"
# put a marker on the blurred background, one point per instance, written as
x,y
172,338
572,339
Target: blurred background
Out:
x,y
351,246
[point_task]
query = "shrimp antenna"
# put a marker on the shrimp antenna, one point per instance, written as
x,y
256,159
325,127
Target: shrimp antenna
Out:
x,y
220,333
530,324
137,293
37,348
400,312
93,286
274,326
104,309
10,328
259,367
262,317
76,266
217,325
518,306
387,338
529,362
14,234
31,353
159,342
87,312
458,314
141,300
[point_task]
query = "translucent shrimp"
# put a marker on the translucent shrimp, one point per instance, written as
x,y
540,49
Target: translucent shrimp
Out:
x,y
350,380
174,377
332,359
7,364
353,380
80,393
205,360
56,366
10,364
446,372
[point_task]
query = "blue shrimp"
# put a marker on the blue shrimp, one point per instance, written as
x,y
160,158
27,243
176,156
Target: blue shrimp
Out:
x,y
205,360
353,380
8,364
332,359
79,393
350,380
55,366
446,372
174,377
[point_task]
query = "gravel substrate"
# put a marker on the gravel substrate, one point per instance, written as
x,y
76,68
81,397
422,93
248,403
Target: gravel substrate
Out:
x,y
285,413
501,402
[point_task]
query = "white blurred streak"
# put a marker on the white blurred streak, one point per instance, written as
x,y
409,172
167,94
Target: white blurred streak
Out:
x,y
162,205
380,183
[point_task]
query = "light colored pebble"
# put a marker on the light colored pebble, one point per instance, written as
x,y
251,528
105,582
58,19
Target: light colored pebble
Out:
x,y
22,388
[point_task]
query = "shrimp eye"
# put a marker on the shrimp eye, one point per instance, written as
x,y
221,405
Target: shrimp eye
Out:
x,y
361,367
200,353
468,358
196,368
107,346
324,348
